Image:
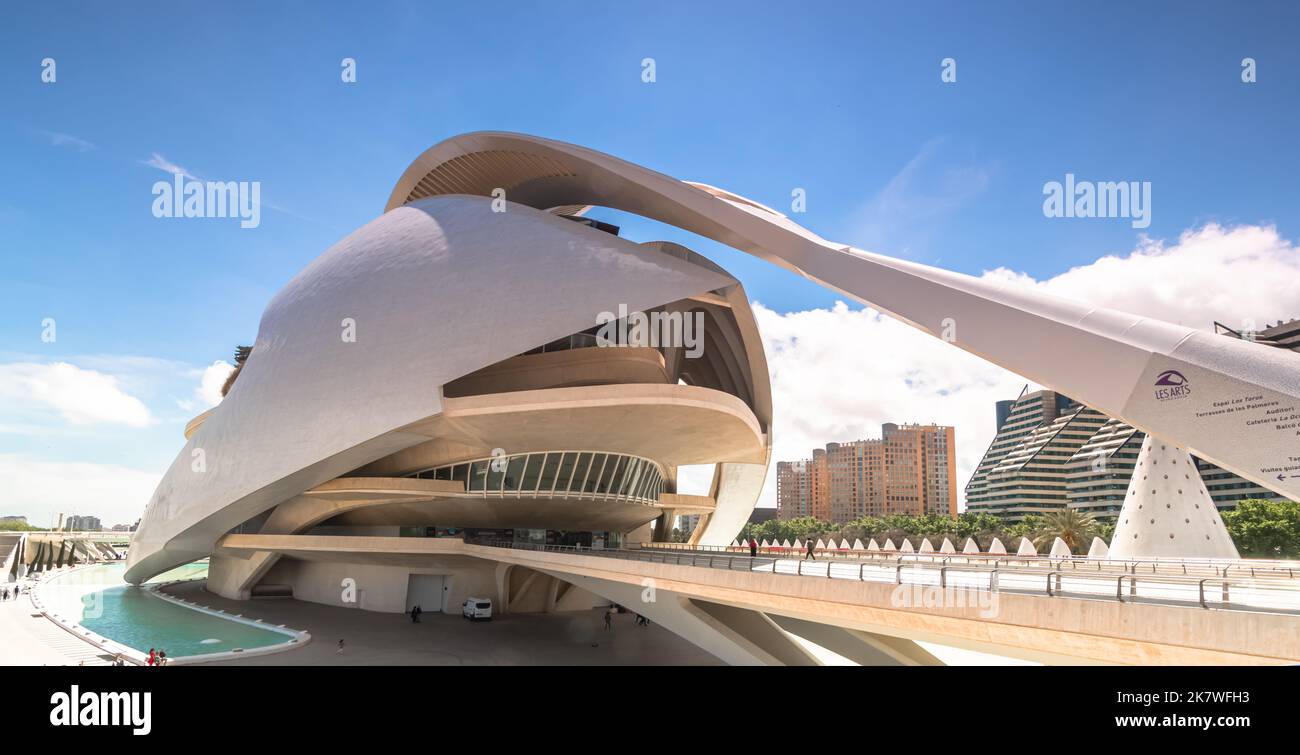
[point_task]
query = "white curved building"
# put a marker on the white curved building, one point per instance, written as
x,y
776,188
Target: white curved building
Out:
x,y
438,369
441,369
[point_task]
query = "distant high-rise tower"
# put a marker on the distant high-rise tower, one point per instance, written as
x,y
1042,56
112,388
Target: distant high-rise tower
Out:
x,y
910,469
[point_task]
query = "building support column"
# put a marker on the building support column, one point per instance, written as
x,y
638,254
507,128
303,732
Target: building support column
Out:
x,y
863,648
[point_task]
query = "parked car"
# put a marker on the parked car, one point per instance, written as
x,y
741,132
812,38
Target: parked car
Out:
x,y
477,608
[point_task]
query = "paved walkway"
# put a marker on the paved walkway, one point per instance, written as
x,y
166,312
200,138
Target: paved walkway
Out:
x,y
29,639
384,639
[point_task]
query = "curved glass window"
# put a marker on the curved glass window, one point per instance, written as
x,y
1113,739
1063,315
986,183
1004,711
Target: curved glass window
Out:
x,y
556,473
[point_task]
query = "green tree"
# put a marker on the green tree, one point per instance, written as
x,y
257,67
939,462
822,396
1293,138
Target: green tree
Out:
x,y
1265,528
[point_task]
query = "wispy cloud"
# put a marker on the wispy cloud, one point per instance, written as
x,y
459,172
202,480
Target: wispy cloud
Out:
x,y
161,163
57,139
936,182
156,160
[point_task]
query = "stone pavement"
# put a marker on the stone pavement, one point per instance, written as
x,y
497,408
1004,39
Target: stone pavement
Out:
x,y
379,639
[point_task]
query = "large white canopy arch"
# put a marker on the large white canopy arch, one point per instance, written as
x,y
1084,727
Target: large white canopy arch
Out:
x,y
1228,401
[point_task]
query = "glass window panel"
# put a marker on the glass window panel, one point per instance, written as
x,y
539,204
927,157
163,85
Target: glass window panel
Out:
x,y
648,480
532,472
619,483
647,483
593,474
634,477
580,472
547,480
566,472
515,472
478,474
629,473
496,472
460,473
442,473
611,468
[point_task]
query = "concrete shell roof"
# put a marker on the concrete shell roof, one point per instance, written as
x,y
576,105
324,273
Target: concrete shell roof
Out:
x,y
424,284
1104,358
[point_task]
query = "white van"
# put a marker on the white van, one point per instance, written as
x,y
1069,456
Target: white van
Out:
x,y
477,608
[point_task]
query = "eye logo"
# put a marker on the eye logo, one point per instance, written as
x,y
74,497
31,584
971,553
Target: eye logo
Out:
x,y
1172,384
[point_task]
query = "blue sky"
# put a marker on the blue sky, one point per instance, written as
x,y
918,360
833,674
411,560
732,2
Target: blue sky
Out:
x,y
842,100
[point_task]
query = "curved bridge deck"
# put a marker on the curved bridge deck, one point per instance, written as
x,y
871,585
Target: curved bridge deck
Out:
x,y
1044,615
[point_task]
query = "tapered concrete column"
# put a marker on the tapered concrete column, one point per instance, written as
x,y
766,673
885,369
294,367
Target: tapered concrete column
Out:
x,y
863,648
737,636
698,532
1167,512
664,526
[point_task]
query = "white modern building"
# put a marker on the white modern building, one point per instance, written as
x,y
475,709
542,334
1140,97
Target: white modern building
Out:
x,y
460,365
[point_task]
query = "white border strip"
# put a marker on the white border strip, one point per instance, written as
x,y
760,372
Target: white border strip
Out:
x,y
298,638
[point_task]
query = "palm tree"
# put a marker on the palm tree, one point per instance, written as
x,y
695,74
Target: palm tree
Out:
x,y
241,355
1071,525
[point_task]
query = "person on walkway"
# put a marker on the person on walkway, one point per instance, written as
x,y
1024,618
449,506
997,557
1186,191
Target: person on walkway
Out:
x,y
812,551
609,618
162,657
753,548
415,614
152,657
6,593
340,650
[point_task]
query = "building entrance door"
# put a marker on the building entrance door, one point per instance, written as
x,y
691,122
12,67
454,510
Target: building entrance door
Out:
x,y
425,591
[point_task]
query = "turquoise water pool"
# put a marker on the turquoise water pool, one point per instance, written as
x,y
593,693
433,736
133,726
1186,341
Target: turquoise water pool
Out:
x,y
102,602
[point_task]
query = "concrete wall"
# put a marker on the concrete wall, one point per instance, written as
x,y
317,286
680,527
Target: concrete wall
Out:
x,y
378,588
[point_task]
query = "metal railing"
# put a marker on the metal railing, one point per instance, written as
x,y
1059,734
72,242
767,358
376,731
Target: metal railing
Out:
x,y
1012,576
1254,568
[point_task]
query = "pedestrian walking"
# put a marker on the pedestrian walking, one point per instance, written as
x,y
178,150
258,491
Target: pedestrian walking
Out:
x,y
753,547
812,551
609,619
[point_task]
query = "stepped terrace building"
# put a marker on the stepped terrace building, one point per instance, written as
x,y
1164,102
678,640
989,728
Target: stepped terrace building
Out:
x,y
1051,453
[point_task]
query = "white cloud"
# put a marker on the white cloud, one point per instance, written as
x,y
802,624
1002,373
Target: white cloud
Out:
x,y
40,490
1233,275
165,165
80,396
68,140
838,374
214,376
